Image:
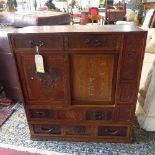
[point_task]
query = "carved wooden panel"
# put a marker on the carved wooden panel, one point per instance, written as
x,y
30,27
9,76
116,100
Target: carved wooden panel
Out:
x,y
124,113
92,77
127,94
46,86
131,43
131,57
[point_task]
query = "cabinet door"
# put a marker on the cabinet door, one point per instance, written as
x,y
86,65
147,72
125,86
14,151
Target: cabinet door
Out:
x,y
93,78
44,87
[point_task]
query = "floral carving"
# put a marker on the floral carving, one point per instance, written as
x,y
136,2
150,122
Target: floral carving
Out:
x,y
48,79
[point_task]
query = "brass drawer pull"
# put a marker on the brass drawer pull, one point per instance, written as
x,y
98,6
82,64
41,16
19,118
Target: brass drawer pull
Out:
x,y
38,43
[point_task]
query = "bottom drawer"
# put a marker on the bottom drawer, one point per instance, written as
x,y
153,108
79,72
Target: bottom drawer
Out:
x,y
80,131
54,129
112,131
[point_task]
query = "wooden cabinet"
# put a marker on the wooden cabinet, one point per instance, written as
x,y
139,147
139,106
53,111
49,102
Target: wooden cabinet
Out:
x,y
89,89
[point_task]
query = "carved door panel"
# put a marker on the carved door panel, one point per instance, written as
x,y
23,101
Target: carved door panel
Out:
x,y
44,87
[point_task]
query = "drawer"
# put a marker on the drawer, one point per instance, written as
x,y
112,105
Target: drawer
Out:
x,y
97,42
124,113
85,115
127,93
79,130
44,42
57,129
49,129
40,113
130,65
112,130
99,115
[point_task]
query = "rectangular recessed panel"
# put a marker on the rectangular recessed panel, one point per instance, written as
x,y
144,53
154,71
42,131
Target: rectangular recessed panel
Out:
x,y
112,131
92,77
98,42
78,130
98,115
52,42
41,113
47,129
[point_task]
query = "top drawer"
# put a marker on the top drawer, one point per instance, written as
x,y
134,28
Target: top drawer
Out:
x,y
94,41
45,42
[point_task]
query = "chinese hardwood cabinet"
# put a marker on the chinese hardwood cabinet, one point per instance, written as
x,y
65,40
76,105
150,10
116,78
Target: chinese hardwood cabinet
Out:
x,y
89,89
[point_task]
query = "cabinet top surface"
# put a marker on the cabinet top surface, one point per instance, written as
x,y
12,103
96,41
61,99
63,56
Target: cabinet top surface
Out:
x,y
79,28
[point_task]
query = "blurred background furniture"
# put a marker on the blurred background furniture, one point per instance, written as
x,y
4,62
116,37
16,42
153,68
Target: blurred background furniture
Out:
x,y
43,8
94,15
149,20
115,13
75,16
84,18
34,18
8,77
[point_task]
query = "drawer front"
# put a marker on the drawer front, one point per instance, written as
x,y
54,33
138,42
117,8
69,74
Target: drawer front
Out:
x,y
124,113
41,113
52,42
112,131
97,42
85,115
127,93
78,130
59,130
49,129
